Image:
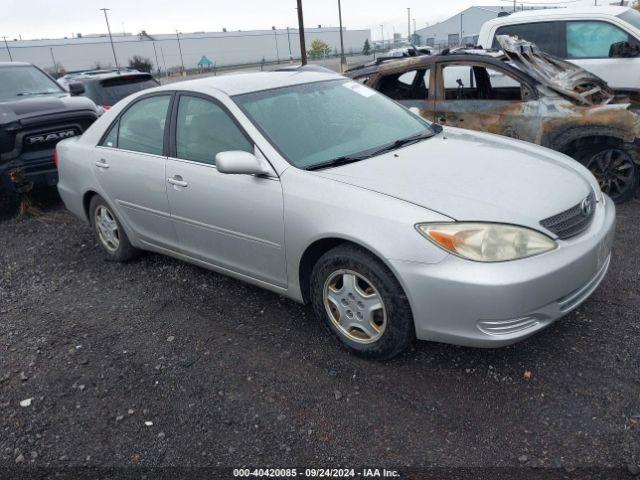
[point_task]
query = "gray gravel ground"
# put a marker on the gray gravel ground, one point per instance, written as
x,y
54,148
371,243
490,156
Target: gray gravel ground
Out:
x,y
159,363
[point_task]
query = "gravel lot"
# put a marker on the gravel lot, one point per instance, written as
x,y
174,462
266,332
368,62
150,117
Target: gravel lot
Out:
x,y
159,363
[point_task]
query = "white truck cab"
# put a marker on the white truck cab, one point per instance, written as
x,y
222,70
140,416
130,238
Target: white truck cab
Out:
x,y
603,40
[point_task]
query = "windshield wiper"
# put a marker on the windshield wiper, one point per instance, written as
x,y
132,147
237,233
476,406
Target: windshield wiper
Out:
x,y
24,94
336,162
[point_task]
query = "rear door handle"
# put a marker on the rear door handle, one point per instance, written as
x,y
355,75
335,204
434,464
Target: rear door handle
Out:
x,y
177,181
102,163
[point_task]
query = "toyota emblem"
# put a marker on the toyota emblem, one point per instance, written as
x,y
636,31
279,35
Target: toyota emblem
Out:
x,y
586,207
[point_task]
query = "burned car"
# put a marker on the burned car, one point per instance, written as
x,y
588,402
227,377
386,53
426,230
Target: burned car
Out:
x,y
525,94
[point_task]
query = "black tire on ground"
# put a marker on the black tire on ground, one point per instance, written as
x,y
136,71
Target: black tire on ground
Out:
x,y
124,252
615,166
399,331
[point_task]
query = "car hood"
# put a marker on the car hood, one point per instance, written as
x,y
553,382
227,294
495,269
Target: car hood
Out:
x,y
471,176
28,107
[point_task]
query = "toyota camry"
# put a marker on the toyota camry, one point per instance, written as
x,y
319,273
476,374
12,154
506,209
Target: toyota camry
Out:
x,y
322,190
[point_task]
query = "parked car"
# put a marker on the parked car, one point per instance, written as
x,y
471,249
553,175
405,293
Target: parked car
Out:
x,y
107,87
526,94
603,40
325,191
35,113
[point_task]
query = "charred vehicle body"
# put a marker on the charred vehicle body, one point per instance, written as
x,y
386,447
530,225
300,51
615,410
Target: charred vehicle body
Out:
x,y
35,113
525,94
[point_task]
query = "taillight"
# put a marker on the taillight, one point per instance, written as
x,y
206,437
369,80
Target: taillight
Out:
x,y
106,107
55,157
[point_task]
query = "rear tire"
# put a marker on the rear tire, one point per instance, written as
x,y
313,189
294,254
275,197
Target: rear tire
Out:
x,y
614,166
112,238
361,303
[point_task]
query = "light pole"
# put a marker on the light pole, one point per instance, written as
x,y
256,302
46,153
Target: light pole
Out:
x,y
343,59
8,50
155,52
180,50
53,59
382,35
461,30
113,49
289,40
408,25
303,50
275,36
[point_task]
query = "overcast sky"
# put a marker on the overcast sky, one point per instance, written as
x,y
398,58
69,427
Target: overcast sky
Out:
x,y
60,18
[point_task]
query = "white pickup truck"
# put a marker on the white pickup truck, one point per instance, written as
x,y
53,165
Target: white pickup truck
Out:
x,y
603,40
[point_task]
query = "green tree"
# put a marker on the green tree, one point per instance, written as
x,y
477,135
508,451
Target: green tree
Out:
x,y
366,49
319,49
140,63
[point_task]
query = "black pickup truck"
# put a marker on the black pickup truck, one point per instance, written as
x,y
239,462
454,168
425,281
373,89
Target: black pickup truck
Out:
x,y
36,113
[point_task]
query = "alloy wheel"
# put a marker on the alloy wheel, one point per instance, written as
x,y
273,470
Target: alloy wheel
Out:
x,y
355,307
107,228
614,169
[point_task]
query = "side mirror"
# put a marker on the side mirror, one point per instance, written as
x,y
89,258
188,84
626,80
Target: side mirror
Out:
x,y
240,163
623,50
76,88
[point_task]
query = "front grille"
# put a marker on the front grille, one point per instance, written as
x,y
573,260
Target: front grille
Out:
x,y
46,138
573,221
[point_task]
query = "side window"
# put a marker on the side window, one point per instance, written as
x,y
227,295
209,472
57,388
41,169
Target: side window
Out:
x,y
465,82
411,85
142,125
111,140
548,36
204,129
592,39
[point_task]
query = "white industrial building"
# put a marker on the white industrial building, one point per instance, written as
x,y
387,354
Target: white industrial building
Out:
x,y
463,27
222,48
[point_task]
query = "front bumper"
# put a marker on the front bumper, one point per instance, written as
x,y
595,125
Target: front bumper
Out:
x,y
41,171
495,304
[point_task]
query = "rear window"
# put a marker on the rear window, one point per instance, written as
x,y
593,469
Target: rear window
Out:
x,y
112,90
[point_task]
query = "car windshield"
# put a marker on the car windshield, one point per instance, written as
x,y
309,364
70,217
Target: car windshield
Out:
x,y
314,123
22,81
632,17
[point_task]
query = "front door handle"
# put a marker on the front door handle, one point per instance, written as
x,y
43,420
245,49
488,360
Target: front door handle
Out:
x,y
177,181
102,163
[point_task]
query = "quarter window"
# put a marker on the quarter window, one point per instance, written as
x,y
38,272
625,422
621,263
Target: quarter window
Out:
x,y
592,39
141,127
204,129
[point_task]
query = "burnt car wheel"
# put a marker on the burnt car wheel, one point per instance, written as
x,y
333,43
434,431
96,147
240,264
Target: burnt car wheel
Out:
x,y
615,169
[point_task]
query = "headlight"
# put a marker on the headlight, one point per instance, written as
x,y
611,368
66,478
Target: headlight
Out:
x,y
486,242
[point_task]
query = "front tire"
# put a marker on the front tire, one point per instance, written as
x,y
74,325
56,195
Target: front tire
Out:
x,y
112,238
361,302
615,168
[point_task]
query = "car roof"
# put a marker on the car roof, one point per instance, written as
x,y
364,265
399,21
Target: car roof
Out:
x,y
237,84
611,10
96,76
15,64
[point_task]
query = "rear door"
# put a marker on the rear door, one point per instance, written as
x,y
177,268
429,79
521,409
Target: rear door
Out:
x,y
234,222
130,167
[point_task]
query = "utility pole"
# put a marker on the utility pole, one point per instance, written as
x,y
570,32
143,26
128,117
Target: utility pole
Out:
x,y
53,59
275,36
289,40
408,25
382,35
155,52
113,49
343,59
180,50
303,49
461,30
8,50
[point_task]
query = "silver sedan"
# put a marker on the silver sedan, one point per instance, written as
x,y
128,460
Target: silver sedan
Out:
x,y
322,190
